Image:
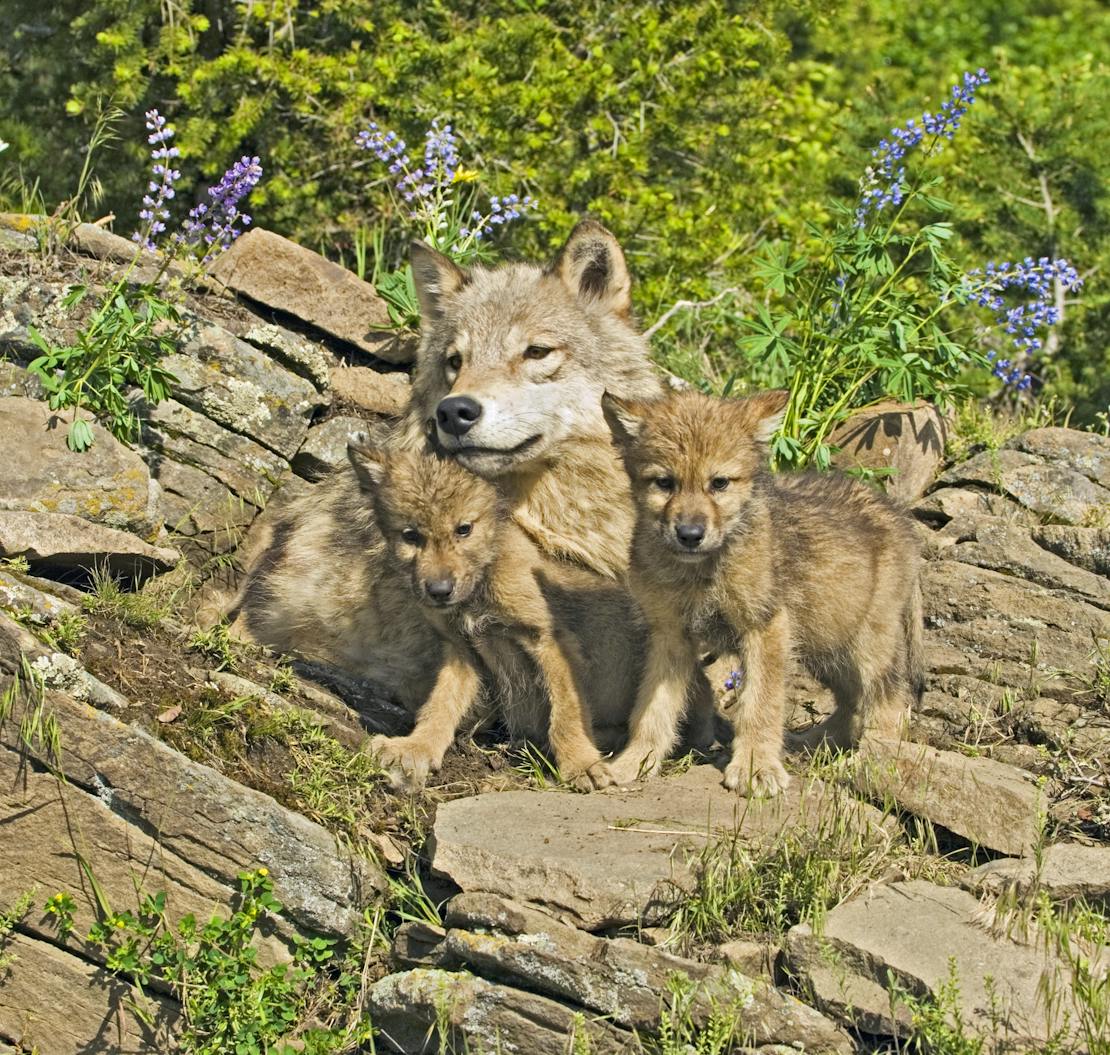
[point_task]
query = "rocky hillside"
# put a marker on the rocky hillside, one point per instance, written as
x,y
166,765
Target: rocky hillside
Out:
x,y
144,752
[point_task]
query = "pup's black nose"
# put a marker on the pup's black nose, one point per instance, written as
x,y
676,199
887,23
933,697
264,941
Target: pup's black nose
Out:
x,y
439,589
456,414
690,535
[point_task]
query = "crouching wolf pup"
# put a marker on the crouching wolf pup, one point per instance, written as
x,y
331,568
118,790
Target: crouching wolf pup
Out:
x,y
727,556
490,596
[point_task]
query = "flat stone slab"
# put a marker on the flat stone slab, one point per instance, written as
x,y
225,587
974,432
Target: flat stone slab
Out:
x,y
622,979
384,394
910,932
986,802
63,541
325,447
58,1004
480,1016
1067,871
283,275
216,824
107,484
1048,488
1085,452
612,858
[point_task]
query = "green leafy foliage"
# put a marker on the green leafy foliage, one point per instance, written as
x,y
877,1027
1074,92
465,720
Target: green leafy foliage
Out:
x,y
230,1001
121,346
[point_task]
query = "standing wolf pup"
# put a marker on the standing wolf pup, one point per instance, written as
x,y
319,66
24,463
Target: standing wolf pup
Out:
x,y
484,589
728,556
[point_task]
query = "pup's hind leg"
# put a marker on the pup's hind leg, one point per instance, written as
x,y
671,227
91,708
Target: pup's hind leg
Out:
x,y
756,767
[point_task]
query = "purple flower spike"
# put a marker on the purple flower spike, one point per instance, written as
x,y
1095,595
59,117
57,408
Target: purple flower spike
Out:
x,y
1021,322
220,222
154,213
884,182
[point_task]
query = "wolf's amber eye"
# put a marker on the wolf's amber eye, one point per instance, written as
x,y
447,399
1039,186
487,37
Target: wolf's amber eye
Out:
x,y
664,483
454,362
719,483
463,530
537,351
412,536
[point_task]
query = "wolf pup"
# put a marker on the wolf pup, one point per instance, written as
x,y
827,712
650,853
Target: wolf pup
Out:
x,y
728,556
482,587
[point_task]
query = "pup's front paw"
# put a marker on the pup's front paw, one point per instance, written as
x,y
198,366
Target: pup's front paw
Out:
x,y
406,760
757,778
633,764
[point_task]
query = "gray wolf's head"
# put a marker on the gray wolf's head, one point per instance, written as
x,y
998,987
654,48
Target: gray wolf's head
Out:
x,y
514,360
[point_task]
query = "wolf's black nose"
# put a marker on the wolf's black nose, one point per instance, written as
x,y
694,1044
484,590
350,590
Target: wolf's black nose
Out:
x,y
439,589
456,414
690,535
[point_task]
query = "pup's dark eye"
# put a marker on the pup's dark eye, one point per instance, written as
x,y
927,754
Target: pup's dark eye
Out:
x,y
719,483
454,362
537,351
412,536
664,483
463,530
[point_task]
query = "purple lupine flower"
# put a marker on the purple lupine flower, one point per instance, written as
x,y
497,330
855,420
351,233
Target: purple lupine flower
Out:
x,y
884,182
1038,278
734,680
217,224
160,190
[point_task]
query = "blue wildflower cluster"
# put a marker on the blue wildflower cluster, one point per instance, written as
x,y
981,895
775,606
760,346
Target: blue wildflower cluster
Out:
x,y
431,187
154,213
1037,278
216,224
884,182
734,680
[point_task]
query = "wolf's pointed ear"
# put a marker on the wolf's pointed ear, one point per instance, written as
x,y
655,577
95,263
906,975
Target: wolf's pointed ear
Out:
x,y
435,277
369,462
766,411
591,265
624,417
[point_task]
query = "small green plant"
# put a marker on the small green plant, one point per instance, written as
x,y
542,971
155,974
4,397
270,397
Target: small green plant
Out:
x,y
120,347
38,727
764,887
538,769
61,907
10,918
66,632
680,1035
229,1001
135,608
937,1024
216,643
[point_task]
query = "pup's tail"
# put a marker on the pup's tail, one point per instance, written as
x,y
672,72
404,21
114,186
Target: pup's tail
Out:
x,y
914,618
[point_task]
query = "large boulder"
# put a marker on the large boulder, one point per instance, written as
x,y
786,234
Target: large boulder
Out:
x,y
108,484
905,441
241,388
289,278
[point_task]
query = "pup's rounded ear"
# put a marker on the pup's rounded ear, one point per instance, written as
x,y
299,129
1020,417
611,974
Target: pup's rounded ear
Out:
x,y
766,410
369,462
435,277
591,265
625,417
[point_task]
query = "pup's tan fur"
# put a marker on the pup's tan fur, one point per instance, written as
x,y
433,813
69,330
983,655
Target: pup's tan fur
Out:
x,y
814,565
536,347
496,603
